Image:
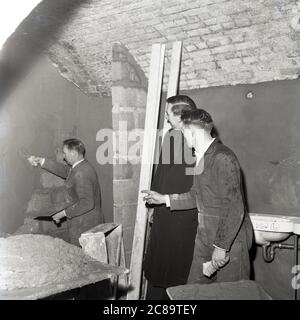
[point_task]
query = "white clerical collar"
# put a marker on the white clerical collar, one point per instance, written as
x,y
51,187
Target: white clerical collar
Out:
x,y
77,163
199,153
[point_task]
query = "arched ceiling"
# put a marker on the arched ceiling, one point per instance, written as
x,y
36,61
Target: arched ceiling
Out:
x,y
224,41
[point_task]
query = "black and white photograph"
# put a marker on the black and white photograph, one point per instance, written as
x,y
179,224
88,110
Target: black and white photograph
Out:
x,y
150,153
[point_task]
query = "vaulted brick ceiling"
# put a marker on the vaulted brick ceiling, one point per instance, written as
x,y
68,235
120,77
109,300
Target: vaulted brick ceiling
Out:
x,y
224,41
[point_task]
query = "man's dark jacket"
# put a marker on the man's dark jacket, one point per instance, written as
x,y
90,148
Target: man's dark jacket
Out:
x,y
217,194
86,212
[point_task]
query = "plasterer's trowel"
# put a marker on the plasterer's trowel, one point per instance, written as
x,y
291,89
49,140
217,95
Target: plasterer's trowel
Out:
x,y
48,218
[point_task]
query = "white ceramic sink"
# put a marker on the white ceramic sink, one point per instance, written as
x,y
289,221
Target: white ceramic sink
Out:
x,y
269,228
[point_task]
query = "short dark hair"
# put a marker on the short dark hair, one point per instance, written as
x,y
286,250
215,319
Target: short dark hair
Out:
x,y
198,117
75,144
181,103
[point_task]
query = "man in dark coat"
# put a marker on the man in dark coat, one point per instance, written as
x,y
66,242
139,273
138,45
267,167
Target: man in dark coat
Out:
x,y
224,234
169,253
79,174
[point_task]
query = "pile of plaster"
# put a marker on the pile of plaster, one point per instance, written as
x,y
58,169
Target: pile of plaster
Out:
x,y
28,261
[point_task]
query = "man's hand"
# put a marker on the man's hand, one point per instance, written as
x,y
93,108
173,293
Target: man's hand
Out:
x,y
219,258
58,216
153,197
35,161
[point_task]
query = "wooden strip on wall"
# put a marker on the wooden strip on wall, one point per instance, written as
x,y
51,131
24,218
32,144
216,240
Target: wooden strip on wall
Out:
x,y
151,119
173,76
174,69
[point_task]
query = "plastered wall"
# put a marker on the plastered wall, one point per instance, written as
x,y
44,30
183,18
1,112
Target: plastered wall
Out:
x,y
42,110
264,132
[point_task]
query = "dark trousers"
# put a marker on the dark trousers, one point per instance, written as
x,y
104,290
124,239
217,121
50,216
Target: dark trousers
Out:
x,y
238,267
156,293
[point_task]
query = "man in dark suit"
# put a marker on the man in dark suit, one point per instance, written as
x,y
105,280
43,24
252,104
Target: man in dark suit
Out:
x,y
79,174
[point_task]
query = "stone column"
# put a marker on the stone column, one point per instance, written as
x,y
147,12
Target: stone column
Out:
x,y
129,95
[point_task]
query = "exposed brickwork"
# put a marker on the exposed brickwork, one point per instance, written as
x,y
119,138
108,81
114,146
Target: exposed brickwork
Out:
x,y
225,41
71,66
129,86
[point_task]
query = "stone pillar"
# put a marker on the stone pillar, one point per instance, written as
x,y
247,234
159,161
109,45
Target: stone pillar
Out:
x,y
129,95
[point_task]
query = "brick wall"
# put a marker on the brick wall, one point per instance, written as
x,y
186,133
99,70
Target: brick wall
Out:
x,y
224,41
129,94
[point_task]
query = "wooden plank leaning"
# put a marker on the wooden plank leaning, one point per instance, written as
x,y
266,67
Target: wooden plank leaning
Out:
x,y
173,76
151,119
173,85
